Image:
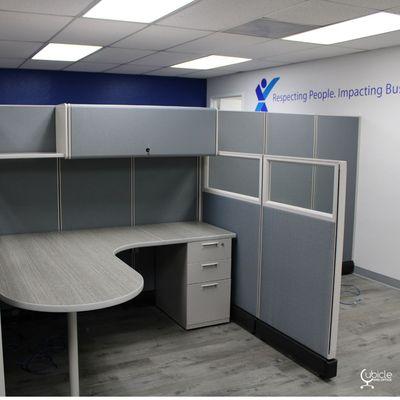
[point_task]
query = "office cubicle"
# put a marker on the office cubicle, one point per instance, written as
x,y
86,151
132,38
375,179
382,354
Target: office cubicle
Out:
x,y
130,187
289,222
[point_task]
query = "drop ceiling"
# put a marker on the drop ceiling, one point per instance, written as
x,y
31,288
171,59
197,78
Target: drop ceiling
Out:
x,y
237,28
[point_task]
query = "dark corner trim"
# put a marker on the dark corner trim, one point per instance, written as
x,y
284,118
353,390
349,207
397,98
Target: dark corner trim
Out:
x,y
347,267
320,366
243,319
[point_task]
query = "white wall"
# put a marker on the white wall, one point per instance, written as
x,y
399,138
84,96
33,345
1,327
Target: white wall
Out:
x,y
377,225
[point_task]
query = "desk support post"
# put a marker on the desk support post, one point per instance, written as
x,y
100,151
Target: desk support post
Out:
x,y
73,353
2,381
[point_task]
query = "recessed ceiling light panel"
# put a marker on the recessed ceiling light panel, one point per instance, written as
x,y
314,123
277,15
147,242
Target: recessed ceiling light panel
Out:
x,y
374,24
211,62
64,52
134,10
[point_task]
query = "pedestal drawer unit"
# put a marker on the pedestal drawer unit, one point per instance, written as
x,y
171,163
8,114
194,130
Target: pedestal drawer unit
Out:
x,y
193,282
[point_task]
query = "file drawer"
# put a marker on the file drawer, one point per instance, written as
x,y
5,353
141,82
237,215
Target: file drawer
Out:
x,y
208,271
209,250
208,302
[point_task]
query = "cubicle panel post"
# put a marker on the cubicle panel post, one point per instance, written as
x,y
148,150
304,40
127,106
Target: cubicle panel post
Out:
x,y
63,134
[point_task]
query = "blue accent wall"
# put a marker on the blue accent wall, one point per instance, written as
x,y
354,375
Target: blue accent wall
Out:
x,y
56,87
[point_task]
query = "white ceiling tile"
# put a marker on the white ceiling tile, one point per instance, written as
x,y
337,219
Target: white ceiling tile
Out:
x,y
160,37
90,67
132,69
96,31
277,47
32,27
10,62
57,7
115,55
226,44
13,49
209,73
165,59
319,12
250,66
171,72
216,15
375,42
315,54
374,4
40,64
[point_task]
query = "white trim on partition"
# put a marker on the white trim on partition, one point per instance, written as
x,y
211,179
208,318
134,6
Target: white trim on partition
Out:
x,y
225,193
296,209
340,205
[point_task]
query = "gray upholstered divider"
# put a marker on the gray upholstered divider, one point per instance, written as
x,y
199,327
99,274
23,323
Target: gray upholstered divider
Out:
x,y
324,185
297,276
241,131
243,218
95,193
27,129
291,135
165,190
28,196
338,140
291,183
234,174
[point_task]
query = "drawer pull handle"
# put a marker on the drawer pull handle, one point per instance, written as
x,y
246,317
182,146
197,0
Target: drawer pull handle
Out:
x,y
209,285
209,244
209,265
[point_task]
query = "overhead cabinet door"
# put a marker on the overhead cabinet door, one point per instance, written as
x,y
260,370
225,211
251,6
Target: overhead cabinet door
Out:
x,y
123,131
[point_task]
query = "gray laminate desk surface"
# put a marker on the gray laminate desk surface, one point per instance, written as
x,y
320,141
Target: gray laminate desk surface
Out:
x,y
77,270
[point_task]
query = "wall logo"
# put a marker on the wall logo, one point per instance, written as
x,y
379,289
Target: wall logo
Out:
x,y
374,376
262,91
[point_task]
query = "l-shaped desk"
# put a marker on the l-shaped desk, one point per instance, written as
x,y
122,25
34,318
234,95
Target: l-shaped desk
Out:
x,y
75,271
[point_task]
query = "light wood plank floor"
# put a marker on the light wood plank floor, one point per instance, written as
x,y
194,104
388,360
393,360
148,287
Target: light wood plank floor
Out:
x,y
139,351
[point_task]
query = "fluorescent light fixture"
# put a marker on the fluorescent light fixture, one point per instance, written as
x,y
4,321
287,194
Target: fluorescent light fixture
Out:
x,y
357,28
134,10
64,52
211,62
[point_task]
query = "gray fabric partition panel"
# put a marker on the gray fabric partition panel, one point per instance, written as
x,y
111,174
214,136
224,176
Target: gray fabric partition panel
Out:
x,y
165,190
290,135
291,183
241,131
234,174
324,185
297,276
28,196
27,129
95,193
338,140
243,218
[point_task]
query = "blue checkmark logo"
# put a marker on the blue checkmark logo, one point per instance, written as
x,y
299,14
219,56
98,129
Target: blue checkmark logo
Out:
x,y
262,91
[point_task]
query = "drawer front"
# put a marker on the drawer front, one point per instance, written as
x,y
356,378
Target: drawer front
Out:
x,y
207,302
208,271
209,250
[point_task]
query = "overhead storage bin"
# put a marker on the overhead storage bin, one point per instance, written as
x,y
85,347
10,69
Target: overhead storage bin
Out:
x,y
87,131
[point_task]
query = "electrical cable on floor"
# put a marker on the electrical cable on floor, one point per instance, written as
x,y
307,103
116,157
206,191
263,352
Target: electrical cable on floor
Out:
x,y
352,292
